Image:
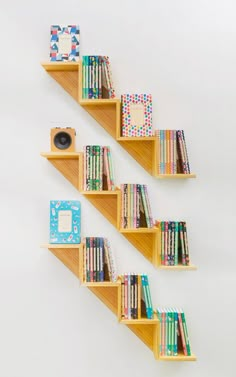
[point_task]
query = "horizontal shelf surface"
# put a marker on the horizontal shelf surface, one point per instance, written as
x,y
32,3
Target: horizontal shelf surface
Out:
x,y
138,230
141,321
175,176
101,284
60,66
58,155
180,357
178,268
60,246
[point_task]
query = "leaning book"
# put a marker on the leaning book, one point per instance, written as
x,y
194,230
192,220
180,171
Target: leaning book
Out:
x,y
65,221
64,43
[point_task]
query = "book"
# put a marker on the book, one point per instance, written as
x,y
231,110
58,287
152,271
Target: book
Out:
x,y
97,78
65,221
64,43
136,115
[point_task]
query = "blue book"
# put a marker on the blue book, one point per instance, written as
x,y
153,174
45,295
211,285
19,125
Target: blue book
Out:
x,y
65,222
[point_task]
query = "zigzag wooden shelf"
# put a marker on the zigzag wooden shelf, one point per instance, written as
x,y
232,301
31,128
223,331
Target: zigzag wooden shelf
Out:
x,y
110,294
146,240
107,113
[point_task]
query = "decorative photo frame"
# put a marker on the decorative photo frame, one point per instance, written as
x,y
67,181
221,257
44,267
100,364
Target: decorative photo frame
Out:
x,y
65,222
64,43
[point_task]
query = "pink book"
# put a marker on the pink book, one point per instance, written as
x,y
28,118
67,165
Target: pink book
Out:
x,y
136,115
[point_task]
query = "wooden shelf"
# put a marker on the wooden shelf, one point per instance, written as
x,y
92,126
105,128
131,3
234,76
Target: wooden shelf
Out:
x,y
60,66
180,267
107,112
175,176
61,155
180,357
68,254
142,321
100,284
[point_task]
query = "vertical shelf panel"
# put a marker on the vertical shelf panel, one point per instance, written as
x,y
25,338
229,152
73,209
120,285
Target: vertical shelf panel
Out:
x,y
143,150
108,295
104,114
107,202
69,165
147,333
144,240
69,255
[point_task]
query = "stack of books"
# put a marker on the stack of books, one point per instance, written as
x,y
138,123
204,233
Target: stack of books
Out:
x,y
135,206
98,168
97,78
136,115
172,152
173,332
99,264
136,302
174,243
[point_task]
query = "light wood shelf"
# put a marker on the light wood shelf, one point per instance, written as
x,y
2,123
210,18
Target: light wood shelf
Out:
x,y
179,357
180,267
107,112
175,176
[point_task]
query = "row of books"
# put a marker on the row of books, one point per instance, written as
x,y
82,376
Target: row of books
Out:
x,y
98,168
173,332
97,78
173,156
174,243
135,206
136,299
99,263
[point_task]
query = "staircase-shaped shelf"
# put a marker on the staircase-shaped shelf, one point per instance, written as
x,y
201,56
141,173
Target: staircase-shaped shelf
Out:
x,y
107,113
146,240
110,294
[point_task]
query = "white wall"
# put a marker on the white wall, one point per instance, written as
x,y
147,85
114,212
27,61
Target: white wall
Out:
x,y
184,53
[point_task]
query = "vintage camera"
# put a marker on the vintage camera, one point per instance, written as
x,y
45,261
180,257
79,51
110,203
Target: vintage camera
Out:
x,y
63,139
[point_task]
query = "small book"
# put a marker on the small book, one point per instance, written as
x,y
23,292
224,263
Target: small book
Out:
x,y
136,115
64,43
65,221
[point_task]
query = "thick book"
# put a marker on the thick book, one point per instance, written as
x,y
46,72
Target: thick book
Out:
x,y
64,43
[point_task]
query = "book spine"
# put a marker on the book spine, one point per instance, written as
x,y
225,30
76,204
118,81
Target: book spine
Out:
x,y
182,336
186,334
112,264
91,264
84,76
94,259
175,348
176,243
166,244
172,243
185,152
181,234
181,151
110,169
87,259
126,295
186,243
109,75
99,77
150,218
174,152
122,297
